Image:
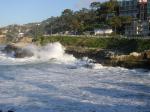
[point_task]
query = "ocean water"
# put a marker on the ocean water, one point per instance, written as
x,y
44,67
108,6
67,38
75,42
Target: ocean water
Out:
x,y
53,81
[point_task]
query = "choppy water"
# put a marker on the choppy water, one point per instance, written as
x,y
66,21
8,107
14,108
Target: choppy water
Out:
x,y
60,83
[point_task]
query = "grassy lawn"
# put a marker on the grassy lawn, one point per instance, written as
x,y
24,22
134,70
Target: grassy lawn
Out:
x,y
120,44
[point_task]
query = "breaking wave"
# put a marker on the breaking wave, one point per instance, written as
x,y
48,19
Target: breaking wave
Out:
x,y
52,52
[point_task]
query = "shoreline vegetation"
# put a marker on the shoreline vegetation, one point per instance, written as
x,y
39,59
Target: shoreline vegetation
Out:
x,y
115,51
115,43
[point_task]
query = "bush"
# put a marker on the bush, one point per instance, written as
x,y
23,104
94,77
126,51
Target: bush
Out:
x,y
120,44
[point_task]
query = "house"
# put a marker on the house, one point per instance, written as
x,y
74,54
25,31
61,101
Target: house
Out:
x,y
103,31
139,10
20,35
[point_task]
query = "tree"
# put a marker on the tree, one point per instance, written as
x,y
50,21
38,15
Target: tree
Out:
x,y
67,12
108,9
119,22
66,19
115,22
126,20
95,5
86,19
100,15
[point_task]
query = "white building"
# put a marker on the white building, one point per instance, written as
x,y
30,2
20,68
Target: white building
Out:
x,y
137,28
103,31
20,35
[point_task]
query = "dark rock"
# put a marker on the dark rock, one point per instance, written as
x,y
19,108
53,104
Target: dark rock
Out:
x,y
106,54
10,111
23,53
17,52
10,48
114,58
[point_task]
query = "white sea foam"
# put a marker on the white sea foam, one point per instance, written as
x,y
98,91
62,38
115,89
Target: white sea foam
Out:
x,y
52,52
97,66
53,87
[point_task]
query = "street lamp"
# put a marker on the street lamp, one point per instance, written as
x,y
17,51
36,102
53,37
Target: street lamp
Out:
x,y
51,29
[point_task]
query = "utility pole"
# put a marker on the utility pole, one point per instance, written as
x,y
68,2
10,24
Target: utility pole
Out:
x,y
36,31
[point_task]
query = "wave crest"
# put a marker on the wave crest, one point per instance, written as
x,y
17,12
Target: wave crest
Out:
x,y
52,52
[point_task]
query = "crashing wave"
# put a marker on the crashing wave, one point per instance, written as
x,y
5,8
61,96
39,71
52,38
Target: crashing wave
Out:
x,y
52,52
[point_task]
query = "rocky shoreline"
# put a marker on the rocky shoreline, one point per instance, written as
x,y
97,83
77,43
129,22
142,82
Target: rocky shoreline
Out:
x,y
17,50
103,56
112,58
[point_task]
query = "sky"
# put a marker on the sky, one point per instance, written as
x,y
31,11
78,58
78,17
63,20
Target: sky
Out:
x,y
27,11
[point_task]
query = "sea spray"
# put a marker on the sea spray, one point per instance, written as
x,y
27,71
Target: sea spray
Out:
x,y
50,51
43,53
53,53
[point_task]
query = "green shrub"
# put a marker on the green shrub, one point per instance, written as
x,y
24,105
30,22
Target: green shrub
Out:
x,y
120,44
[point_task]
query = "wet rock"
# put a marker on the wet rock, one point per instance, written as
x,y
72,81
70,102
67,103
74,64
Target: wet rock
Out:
x,y
10,111
115,58
17,52
23,53
10,48
106,54
135,54
146,54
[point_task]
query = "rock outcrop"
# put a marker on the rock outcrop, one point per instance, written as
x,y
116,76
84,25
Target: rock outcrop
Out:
x,y
113,58
18,51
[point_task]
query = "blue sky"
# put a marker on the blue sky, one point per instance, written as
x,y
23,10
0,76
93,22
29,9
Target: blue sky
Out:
x,y
26,11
